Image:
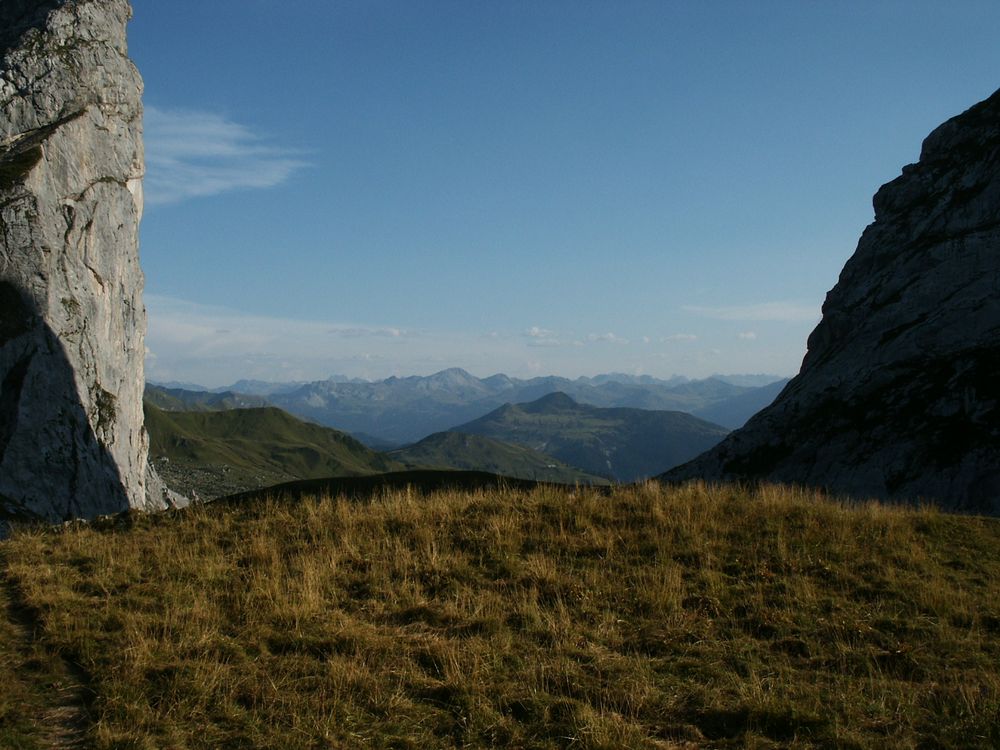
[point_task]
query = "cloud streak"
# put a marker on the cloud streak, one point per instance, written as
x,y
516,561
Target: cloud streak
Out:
x,y
789,312
542,337
216,346
355,332
192,154
606,338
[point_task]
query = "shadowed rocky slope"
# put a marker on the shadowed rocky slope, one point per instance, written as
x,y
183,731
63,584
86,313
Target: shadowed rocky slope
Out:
x,y
899,395
72,321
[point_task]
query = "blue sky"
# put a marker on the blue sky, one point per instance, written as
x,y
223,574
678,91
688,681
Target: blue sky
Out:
x,y
524,186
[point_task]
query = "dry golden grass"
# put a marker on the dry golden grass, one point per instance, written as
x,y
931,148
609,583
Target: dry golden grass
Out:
x,y
654,617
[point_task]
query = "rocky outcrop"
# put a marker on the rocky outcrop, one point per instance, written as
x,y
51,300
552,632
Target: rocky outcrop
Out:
x,y
72,322
899,394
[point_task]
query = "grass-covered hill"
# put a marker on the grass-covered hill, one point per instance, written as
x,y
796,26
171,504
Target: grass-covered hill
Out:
x,y
454,450
217,453
623,444
179,399
643,617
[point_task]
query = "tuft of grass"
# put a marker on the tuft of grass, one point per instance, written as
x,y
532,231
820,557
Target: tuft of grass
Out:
x,y
31,676
653,617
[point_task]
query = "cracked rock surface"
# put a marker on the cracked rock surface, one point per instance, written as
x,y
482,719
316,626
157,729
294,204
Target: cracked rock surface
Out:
x,y
72,321
899,396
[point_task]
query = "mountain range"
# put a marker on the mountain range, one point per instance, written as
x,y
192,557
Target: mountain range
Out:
x,y
213,452
399,411
622,444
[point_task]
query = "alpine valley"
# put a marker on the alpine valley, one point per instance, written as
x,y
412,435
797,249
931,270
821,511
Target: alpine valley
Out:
x,y
397,411
612,428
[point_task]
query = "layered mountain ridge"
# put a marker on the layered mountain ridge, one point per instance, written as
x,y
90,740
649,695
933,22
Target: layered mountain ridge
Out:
x,y
400,410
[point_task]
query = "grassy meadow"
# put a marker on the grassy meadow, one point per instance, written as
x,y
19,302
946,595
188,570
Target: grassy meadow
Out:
x,y
647,617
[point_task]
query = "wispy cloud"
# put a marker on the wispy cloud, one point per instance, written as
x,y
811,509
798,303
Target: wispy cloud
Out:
x,y
748,335
607,338
539,333
678,337
764,311
192,154
214,346
356,332
538,336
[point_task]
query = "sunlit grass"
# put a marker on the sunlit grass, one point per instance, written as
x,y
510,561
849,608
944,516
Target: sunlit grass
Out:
x,y
656,617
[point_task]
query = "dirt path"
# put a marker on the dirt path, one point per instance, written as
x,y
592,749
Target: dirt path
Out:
x,y
43,697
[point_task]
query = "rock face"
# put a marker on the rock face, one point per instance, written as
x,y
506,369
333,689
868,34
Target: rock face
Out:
x,y
899,394
72,322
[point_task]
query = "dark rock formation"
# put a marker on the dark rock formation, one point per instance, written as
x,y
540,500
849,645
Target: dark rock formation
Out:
x,y
899,395
72,321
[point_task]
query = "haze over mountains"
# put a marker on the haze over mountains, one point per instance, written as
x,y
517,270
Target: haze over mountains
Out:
x,y
399,411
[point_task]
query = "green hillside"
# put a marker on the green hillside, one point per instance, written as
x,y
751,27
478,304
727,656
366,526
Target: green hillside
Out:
x,y
178,399
454,450
643,617
215,453
622,444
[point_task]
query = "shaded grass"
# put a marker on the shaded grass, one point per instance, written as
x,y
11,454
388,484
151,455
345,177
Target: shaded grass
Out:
x,y
33,679
455,450
19,697
656,617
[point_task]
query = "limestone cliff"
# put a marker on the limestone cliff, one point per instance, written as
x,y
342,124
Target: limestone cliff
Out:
x,y
72,322
899,394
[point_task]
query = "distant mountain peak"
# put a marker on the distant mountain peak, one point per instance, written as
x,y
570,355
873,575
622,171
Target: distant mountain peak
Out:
x,y
622,443
455,374
557,401
499,380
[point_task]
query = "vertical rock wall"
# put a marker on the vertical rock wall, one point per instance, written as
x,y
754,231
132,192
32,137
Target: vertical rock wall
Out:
x,y
899,395
72,322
